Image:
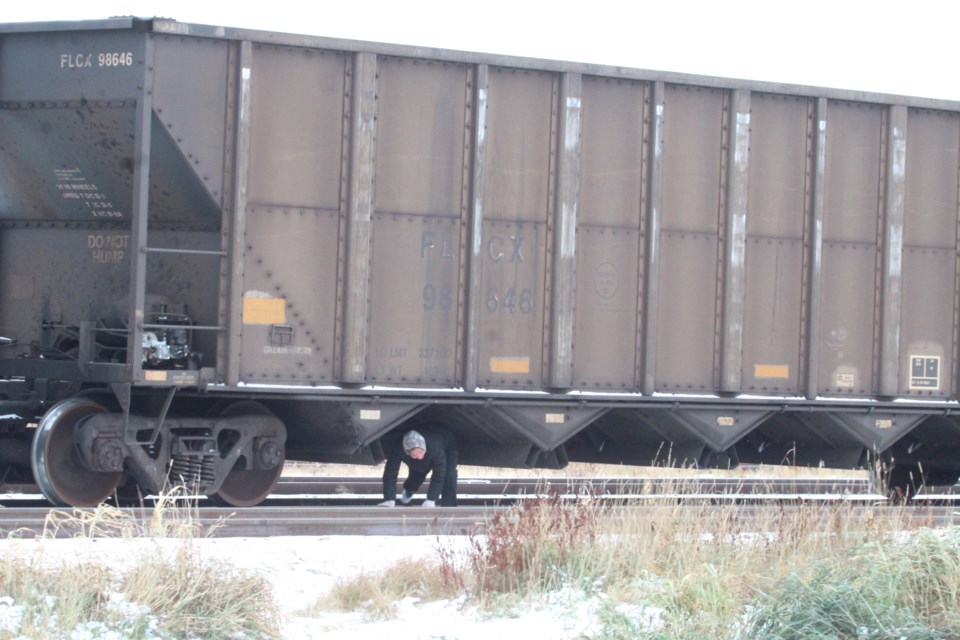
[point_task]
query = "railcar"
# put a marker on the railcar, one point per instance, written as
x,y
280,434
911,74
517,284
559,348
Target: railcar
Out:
x,y
221,249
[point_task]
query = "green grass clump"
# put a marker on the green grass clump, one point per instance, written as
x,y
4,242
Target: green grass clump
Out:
x,y
906,589
833,604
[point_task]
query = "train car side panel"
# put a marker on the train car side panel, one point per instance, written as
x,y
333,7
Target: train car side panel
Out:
x,y
419,206
693,163
850,249
929,255
292,242
298,112
780,149
609,234
515,200
190,94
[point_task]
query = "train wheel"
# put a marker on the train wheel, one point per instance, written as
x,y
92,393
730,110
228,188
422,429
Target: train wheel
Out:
x,y
249,487
56,466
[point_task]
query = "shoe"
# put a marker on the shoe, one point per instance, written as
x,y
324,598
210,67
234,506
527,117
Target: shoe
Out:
x,y
406,497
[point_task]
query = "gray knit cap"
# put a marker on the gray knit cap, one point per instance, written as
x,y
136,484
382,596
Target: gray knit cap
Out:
x,y
413,440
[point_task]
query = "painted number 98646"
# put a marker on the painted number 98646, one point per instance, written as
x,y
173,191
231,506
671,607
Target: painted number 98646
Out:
x,y
115,59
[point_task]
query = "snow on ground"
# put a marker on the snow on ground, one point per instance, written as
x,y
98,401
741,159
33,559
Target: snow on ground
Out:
x,y
302,569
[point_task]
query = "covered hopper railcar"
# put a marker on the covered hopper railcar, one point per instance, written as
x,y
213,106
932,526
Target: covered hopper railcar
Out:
x,y
221,249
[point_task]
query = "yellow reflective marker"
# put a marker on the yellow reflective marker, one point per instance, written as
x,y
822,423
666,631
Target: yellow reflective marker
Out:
x,y
781,371
510,365
264,311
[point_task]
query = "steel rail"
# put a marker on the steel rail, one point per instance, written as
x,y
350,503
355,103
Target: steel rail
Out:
x,y
347,486
354,487
29,522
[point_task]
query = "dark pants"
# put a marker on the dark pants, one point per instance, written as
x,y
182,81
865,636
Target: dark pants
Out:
x,y
448,494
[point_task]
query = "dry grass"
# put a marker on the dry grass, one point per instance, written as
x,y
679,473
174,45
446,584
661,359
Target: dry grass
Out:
x,y
376,594
194,598
529,548
168,591
676,571
701,567
44,600
174,515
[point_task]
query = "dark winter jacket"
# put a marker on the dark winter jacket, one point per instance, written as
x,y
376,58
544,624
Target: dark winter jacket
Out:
x,y
434,462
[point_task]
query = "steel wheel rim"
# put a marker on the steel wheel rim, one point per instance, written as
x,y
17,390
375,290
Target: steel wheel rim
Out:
x,y
247,487
56,469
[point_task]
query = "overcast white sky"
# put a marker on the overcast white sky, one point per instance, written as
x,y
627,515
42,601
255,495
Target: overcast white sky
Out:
x,y
903,47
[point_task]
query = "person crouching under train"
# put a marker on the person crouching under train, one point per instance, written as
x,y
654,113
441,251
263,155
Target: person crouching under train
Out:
x,y
432,451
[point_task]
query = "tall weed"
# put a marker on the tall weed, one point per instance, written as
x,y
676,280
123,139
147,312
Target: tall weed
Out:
x,y
541,544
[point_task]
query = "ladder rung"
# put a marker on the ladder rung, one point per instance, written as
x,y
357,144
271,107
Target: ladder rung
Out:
x,y
196,252
190,327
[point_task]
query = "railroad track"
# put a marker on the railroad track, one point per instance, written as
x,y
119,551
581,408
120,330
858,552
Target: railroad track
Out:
x,y
352,490
261,522
344,506
508,490
254,522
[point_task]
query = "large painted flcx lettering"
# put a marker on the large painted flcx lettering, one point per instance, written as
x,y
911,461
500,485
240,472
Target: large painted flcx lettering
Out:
x,y
499,247
431,245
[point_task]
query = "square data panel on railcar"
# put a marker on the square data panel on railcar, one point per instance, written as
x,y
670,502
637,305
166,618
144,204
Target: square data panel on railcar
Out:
x,y
67,164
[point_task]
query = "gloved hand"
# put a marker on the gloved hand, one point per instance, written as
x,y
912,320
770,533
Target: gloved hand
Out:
x,y
387,503
406,497
429,503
